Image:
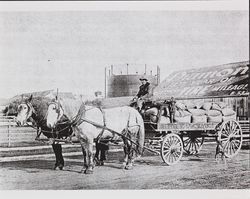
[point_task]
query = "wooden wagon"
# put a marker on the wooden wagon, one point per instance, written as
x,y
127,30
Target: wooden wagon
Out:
x,y
172,139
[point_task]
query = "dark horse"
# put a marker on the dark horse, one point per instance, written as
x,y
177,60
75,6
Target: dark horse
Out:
x,y
35,110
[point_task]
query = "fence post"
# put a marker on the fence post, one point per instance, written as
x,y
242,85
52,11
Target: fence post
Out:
x,y
8,133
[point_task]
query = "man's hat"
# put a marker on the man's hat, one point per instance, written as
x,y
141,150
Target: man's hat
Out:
x,y
141,79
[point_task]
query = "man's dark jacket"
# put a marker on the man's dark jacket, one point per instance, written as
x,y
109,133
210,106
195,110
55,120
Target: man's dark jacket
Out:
x,y
143,90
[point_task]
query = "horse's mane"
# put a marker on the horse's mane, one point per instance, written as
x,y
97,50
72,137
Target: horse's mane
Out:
x,y
70,107
40,105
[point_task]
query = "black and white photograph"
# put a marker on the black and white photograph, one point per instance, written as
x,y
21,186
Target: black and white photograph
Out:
x,y
124,96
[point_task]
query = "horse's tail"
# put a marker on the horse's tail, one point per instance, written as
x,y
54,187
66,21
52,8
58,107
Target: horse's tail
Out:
x,y
140,134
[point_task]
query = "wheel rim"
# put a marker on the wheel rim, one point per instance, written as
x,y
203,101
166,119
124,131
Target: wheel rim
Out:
x,y
171,149
230,137
192,145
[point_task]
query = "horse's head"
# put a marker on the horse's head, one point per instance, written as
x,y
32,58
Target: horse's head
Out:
x,y
24,111
54,114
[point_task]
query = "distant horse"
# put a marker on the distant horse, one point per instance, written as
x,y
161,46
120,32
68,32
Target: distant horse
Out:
x,y
36,110
96,124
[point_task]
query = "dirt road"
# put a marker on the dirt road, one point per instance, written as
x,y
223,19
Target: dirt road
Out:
x,y
149,172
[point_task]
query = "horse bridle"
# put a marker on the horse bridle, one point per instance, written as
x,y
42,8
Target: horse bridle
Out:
x,y
30,111
58,106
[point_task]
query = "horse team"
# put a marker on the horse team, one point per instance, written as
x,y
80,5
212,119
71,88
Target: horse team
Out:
x,y
61,119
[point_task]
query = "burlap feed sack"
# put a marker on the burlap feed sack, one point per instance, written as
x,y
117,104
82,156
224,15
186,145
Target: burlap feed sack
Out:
x,y
165,120
214,113
230,117
207,106
180,113
151,111
214,119
197,112
227,112
190,105
186,119
180,105
198,104
215,106
222,104
199,119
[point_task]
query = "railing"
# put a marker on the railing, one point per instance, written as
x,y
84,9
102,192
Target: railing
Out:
x,y
245,126
6,122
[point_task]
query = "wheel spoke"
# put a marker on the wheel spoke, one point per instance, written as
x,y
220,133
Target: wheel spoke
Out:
x,y
225,133
195,146
234,126
226,145
228,127
189,141
236,132
167,154
236,141
175,141
198,140
223,139
167,144
232,144
189,146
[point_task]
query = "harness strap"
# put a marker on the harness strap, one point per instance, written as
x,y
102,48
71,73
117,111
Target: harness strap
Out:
x,y
104,125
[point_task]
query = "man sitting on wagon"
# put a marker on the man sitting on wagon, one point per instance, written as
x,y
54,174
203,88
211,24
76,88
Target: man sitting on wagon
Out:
x,y
144,94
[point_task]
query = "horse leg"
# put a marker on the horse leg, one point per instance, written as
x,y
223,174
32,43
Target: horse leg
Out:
x,y
57,148
129,164
61,160
103,157
90,158
85,165
97,146
126,149
103,147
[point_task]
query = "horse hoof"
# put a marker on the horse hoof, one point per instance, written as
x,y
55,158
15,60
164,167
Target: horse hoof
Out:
x,y
96,161
101,163
88,171
128,167
60,167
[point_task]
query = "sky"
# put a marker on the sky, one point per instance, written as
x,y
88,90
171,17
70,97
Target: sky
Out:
x,y
69,50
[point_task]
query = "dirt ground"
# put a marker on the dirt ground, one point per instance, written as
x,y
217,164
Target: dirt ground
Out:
x,y
149,172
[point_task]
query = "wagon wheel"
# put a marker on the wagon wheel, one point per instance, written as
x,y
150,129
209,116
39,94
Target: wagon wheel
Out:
x,y
230,137
192,145
171,149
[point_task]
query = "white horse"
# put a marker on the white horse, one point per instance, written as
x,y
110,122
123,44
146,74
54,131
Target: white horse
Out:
x,y
99,124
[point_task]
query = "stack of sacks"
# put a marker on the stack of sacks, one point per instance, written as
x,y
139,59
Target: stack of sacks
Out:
x,y
216,106
182,116
228,114
193,104
190,105
206,106
198,115
214,116
225,112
